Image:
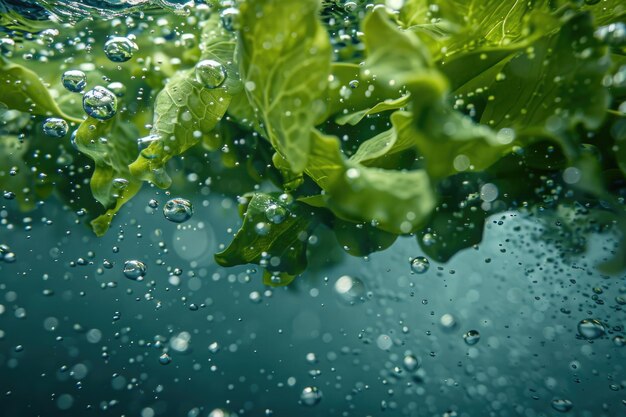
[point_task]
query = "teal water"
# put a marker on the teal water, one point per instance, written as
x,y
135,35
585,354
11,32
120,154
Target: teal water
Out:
x,y
78,338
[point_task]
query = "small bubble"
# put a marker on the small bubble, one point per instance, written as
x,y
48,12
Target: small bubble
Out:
x,y
471,337
562,405
7,47
74,80
230,19
420,264
165,359
100,103
178,210
591,329
275,213
117,88
311,396
411,363
55,127
120,49
134,269
350,289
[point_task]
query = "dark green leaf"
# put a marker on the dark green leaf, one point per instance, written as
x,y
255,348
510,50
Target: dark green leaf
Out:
x,y
278,246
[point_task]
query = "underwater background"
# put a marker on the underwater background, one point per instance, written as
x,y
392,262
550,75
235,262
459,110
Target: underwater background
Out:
x,y
143,322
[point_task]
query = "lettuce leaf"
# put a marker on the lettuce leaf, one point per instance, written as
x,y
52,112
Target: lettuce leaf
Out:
x,y
284,55
111,146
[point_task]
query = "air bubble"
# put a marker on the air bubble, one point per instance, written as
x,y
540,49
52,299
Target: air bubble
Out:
x,y
120,49
178,210
100,103
55,127
74,80
471,337
420,264
591,329
311,396
134,270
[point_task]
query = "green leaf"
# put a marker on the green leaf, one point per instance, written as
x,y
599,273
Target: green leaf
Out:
x,y
361,239
185,111
451,142
488,22
111,145
394,201
279,246
556,83
452,228
284,54
354,118
273,279
397,139
341,98
406,64
22,90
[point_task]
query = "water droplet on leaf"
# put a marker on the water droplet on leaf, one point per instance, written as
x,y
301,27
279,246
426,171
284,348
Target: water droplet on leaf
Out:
x,y
210,73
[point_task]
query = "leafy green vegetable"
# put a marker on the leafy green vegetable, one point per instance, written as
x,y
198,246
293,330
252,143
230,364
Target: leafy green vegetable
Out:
x,y
375,123
395,201
284,55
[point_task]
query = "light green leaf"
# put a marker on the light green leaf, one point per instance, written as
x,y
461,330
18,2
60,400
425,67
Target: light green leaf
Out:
x,y
111,145
22,90
186,110
397,139
407,64
394,201
488,22
354,118
284,54
451,142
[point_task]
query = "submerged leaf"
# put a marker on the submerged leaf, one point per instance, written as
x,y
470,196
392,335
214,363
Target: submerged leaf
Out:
x,y
356,117
186,110
284,54
556,83
394,201
111,146
276,241
21,89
